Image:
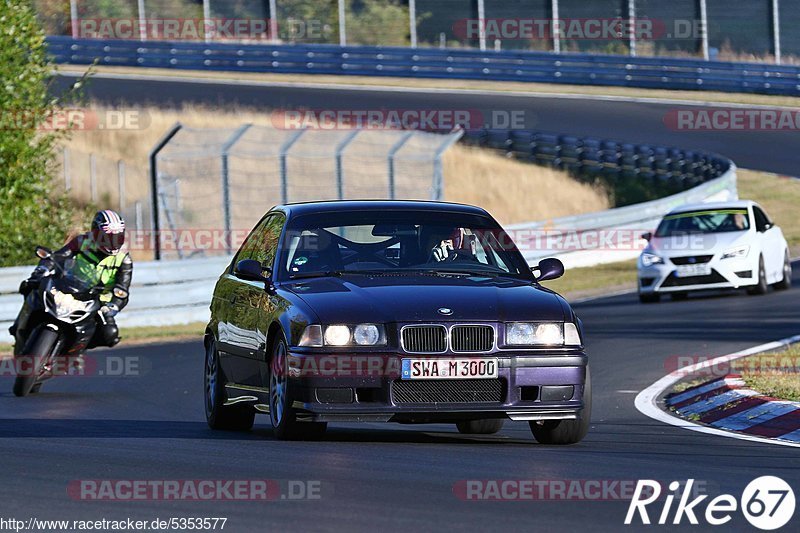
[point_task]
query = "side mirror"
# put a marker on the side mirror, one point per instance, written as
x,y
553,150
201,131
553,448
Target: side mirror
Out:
x,y
550,268
251,270
647,236
43,253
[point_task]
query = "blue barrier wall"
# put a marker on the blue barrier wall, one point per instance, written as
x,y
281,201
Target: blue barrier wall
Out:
x,y
580,69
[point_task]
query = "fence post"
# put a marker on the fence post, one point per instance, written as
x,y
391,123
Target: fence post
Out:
x,y
482,25
632,27
438,171
73,17
283,154
704,29
342,25
392,153
142,21
555,26
340,148
154,186
67,171
776,30
121,179
412,22
273,21
226,189
206,20
93,177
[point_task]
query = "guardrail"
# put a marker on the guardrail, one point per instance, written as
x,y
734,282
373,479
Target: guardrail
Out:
x,y
523,66
163,293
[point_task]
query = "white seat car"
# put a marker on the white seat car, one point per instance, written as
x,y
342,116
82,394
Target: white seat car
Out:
x,y
727,245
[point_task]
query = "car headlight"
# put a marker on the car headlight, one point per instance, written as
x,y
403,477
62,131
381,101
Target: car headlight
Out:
x,y
649,259
344,335
542,334
739,251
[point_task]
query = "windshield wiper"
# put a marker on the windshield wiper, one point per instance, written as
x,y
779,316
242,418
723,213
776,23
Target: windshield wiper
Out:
x,y
308,275
467,273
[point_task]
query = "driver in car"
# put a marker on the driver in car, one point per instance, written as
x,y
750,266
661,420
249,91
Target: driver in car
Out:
x,y
98,254
459,245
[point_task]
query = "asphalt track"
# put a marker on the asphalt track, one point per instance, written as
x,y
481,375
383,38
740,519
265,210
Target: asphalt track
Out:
x,y
391,477
621,120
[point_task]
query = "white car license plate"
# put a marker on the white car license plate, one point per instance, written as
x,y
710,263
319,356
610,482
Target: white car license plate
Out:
x,y
686,271
449,368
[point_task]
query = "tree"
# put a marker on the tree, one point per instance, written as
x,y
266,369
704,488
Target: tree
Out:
x,y
30,211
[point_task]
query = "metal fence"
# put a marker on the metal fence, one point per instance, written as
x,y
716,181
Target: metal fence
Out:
x,y
756,29
223,180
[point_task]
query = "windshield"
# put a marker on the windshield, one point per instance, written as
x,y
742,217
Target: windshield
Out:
x,y
72,279
381,242
712,221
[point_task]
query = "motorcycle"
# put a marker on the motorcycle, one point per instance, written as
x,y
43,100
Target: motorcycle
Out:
x,y
56,324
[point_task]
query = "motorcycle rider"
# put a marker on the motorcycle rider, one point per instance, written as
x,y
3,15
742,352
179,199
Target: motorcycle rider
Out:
x,y
98,254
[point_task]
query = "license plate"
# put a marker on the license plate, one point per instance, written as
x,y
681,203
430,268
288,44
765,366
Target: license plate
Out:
x,y
449,368
686,271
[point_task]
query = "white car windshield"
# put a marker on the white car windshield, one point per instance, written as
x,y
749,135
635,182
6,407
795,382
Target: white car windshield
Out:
x,y
710,221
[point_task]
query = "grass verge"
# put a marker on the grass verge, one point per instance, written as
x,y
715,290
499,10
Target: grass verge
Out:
x,y
474,85
775,374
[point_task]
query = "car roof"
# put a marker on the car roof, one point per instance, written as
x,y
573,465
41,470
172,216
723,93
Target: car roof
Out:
x,y
733,204
306,208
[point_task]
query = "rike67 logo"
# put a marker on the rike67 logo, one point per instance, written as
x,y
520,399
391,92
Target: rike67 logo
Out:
x,y
767,503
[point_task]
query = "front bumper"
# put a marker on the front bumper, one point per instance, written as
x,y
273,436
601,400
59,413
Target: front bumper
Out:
x,y
529,386
732,273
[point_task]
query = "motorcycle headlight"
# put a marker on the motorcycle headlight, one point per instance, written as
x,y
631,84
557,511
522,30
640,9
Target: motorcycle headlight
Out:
x,y
65,304
649,259
535,334
739,251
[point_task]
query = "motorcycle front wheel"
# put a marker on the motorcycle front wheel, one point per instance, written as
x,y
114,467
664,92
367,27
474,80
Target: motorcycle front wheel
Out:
x,y
38,348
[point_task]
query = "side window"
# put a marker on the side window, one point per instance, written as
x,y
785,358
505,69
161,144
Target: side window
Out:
x,y
267,247
262,243
762,221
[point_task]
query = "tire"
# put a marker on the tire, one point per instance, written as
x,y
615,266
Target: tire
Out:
x,y
762,286
786,283
219,415
679,296
480,427
38,348
562,432
649,298
283,416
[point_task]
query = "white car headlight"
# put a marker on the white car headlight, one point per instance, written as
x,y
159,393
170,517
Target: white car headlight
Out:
x,y
649,259
535,334
739,251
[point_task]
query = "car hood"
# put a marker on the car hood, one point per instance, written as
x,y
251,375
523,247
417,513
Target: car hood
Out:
x,y
698,244
356,299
